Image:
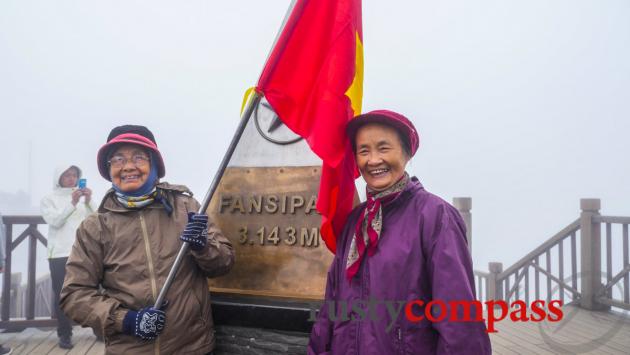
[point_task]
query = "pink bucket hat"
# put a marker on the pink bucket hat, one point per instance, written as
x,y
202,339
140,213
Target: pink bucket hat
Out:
x,y
389,118
129,134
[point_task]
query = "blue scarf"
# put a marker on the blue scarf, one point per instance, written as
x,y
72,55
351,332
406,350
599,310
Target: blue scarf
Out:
x,y
145,194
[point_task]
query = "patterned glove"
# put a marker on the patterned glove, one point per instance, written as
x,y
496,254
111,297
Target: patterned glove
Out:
x,y
196,231
146,324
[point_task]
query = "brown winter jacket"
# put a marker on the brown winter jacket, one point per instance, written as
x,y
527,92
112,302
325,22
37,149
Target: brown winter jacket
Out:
x,y
129,253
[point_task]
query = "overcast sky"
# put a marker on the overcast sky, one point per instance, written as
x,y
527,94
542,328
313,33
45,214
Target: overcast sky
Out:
x,y
522,105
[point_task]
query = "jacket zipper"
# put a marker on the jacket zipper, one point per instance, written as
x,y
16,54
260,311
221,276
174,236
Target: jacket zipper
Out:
x,y
147,249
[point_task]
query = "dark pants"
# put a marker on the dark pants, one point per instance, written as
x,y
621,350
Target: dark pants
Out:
x,y
57,274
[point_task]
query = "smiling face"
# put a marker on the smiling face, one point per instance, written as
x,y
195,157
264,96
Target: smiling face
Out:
x,y
380,155
129,176
69,178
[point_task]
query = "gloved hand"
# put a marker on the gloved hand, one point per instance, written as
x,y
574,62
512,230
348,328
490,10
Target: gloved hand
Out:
x,y
146,324
196,231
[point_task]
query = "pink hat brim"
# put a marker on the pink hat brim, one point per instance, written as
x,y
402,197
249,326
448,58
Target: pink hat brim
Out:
x,y
388,118
128,138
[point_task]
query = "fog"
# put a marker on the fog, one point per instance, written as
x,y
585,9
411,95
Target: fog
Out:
x,y
522,105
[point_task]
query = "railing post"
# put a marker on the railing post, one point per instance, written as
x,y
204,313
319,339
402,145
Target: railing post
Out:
x,y
590,252
464,205
17,310
6,277
494,291
32,263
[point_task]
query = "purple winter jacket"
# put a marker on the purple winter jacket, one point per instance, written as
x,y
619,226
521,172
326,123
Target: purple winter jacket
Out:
x,y
422,255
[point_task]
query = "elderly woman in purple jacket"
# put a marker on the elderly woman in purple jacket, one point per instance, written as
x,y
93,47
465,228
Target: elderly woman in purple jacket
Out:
x,y
401,249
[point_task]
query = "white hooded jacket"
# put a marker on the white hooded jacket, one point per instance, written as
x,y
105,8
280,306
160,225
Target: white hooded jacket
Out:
x,y
62,217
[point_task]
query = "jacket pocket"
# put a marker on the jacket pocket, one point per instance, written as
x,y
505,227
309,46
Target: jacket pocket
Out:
x,y
202,300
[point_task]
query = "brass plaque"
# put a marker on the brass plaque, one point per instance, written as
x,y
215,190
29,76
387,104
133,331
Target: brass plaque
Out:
x,y
269,216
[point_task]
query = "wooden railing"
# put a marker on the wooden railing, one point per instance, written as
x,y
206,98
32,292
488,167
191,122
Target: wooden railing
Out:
x,y
605,293
519,274
567,266
570,266
32,235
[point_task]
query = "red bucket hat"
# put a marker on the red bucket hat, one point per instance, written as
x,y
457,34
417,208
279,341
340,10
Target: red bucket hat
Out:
x,y
129,134
402,124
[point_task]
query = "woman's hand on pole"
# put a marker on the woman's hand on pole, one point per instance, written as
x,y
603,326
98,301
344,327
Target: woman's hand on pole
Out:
x,y
196,231
146,324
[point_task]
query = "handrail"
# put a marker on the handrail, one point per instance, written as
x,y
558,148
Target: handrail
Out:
x,y
481,273
503,284
524,261
611,219
27,219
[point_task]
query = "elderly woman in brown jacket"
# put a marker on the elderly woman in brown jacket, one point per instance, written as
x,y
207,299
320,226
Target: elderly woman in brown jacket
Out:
x,y
123,253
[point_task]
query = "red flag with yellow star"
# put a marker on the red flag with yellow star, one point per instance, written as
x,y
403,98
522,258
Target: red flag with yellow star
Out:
x,y
314,81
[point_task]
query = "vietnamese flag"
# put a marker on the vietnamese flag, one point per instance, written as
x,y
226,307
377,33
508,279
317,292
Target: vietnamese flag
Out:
x,y
313,79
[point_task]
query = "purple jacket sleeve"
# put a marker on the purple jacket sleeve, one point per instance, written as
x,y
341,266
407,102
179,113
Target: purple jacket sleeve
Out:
x,y
450,270
321,335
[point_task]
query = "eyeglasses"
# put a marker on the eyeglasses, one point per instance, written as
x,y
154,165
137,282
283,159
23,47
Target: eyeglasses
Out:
x,y
118,162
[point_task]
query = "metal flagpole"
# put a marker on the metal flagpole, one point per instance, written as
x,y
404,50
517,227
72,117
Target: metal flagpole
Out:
x,y
252,103
247,113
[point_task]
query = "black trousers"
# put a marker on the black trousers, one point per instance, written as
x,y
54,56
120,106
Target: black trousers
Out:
x,y
57,274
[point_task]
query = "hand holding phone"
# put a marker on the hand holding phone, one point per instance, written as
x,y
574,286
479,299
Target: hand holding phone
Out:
x,y
82,183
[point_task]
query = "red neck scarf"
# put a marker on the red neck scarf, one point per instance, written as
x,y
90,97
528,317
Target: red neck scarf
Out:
x,y
368,228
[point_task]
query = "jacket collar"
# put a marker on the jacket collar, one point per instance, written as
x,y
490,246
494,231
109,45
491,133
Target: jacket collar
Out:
x,y
412,187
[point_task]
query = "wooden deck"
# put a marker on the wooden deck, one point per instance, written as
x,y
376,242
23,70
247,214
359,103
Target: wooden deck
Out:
x,y
36,341
580,332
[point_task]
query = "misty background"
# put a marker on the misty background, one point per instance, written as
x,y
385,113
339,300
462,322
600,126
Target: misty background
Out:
x,y
522,105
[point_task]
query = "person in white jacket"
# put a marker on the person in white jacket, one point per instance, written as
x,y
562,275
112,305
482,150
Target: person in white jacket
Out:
x,y
64,209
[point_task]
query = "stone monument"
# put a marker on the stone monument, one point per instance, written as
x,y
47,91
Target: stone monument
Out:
x,y
265,204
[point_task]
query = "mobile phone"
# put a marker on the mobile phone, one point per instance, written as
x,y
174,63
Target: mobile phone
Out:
x,y
82,183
